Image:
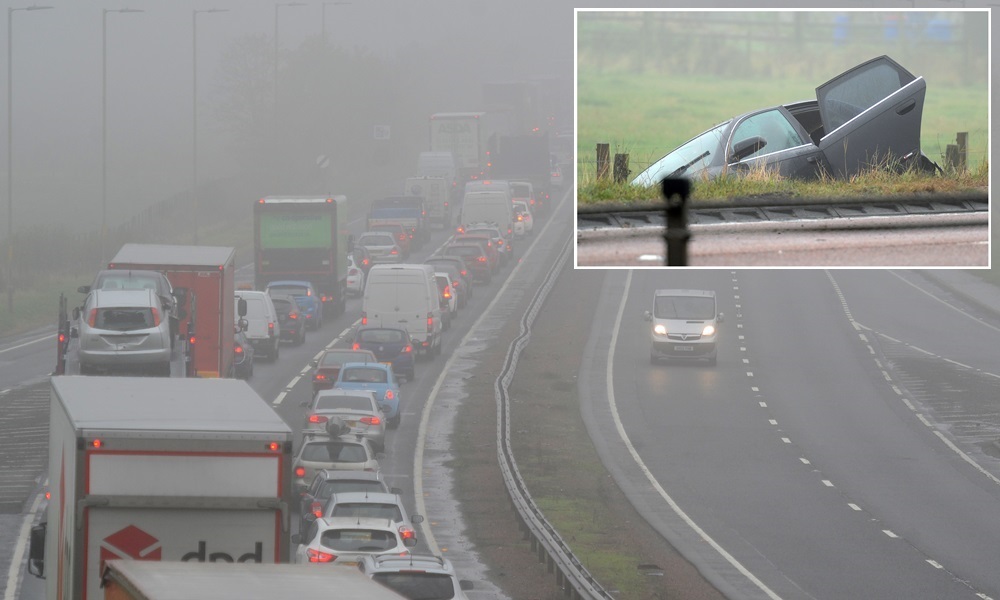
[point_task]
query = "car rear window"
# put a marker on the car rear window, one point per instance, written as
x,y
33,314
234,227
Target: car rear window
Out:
x,y
335,359
358,540
376,239
334,452
464,251
362,375
124,319
380,336
417,584
334,402
340,486
282,306
378,510
111,282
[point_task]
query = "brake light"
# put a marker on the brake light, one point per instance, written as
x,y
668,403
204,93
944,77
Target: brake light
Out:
x,y
520,217
270,328
318,556
238,349
156,316
300,471
92,319
325,298
364,318
309,292
319,377
406,533
317,509
394,251
389,395
447,292
192,340
407,348
355,346
465,273
317,419
481,259
371,420
430,321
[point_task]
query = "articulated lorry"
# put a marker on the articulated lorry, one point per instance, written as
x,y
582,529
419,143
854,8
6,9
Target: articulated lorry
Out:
x,y
303,239
159,470
208,274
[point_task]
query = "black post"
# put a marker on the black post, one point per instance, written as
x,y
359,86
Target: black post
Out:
x,y
676,193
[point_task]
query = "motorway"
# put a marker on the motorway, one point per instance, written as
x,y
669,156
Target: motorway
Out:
x,y
844,446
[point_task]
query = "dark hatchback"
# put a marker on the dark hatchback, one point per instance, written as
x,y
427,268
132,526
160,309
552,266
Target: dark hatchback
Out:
x,y
290,317
867,117
390,345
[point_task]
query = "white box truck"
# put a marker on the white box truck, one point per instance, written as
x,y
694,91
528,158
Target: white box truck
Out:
x,y
164,469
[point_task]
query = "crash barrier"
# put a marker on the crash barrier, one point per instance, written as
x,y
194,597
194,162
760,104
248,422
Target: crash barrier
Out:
x,y
571,576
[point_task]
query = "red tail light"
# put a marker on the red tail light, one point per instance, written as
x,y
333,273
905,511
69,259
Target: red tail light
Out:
x,y
270,329
319,377
407,348
430,321
156,316
447,292
406,533
92,319
300,471
317,509
389,395
355,346
520,217
62,338
394,251
293,315
325,298
371,420
318,556
238,349
364,318
317,419
481,259
465,273
192,340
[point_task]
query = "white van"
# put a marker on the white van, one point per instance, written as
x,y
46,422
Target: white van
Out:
x,y
489,207
262,326
685,325
405,296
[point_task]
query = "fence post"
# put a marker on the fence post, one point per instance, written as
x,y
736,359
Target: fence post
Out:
x,y
963,149
621,168
603,154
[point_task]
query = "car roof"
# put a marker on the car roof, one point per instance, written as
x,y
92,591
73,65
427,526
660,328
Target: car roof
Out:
x,y
331,474
363,365
343,392
357,522
374,497
424,562
679,292
125,298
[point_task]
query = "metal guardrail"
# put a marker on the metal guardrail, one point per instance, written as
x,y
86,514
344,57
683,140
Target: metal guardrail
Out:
x,y
571,576
772,210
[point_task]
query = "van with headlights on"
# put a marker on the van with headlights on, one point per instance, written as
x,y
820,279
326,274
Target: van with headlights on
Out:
x,y
685,325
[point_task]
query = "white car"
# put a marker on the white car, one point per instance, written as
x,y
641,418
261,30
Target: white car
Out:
x,y
416,575
347,540
371,505
523,214
355,277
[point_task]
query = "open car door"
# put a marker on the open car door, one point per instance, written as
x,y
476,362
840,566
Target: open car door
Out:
x,y
871,114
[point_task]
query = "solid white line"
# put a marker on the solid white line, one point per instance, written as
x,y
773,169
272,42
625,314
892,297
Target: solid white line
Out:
x,y
14,573
966,457
854,506
934,564
642,466
954,308
889,533
827,483
29,342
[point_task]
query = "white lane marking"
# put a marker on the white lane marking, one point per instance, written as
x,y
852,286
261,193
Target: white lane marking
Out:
x,y
772,421
827,483
967,458
642,466
854,506
786,440
805,461
30,342
946,303
306,370
934,564
14,573
763,404
889,533
279,399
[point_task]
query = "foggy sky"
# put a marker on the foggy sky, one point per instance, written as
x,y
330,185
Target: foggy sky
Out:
x,y
57,81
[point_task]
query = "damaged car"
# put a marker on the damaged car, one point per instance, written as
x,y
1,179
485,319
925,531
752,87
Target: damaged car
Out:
x,y
868,116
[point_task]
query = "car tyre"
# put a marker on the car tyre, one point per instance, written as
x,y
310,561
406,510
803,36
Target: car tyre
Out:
x,y
394,422
275,351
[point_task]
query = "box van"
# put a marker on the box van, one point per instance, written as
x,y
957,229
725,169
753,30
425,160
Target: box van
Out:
x,y
405,296
262,326
489,207
685,325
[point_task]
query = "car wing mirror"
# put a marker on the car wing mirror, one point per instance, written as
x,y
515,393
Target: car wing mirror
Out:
x,y
396,490
83,289
647,316
745,148
721,318
243,324
295,538
241,307
415,519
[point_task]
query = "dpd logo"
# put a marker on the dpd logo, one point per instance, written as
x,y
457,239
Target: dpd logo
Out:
x,y
130,542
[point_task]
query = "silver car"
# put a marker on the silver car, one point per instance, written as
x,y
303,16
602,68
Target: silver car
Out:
x,y
382,246
124,329
358,410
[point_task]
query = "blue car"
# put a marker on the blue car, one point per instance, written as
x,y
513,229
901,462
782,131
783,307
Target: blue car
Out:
x,y
377,377
309,301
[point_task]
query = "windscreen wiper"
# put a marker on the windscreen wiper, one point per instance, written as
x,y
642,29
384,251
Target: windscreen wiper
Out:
x,y
681,169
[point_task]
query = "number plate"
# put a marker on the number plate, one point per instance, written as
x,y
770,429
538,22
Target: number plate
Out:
x,y
683,348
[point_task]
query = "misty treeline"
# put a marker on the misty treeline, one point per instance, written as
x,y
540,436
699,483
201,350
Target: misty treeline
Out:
x,y
318,139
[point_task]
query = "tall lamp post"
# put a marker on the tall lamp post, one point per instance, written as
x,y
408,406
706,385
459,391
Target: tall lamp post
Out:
x,y
194,111
274,124
104,127
10,147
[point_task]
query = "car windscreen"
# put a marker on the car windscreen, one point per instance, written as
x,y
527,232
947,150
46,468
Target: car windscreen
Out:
x,y
415,584
690,158
124,319
358,540
378,510
363,375
335,402
696,308
334,452
126,282
381,336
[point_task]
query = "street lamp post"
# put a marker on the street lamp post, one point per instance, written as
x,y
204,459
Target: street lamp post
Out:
x,y
10,148
194,111
274,124
104,127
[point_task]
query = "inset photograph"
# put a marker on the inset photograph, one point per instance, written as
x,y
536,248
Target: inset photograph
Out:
x,y
783,138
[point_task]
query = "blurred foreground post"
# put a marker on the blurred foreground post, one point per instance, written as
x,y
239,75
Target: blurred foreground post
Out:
x,y
675,193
